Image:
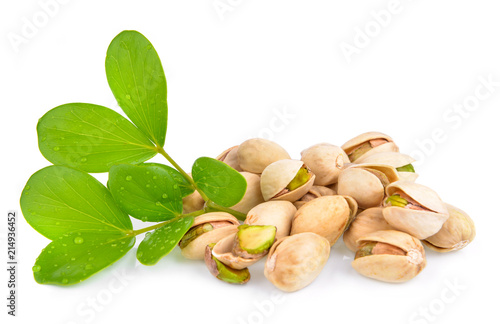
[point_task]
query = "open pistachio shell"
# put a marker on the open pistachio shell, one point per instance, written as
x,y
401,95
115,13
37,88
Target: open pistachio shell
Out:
x,y
295,261
399,258
223,251
423,216
277,213
368,221
230,157
313,193
455,234
327,216
367,144
394,159
325,161
228,224
255,154
278,175
253,195
366,183
222,272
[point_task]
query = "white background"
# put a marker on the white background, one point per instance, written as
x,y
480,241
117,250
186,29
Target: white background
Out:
x,y
230,77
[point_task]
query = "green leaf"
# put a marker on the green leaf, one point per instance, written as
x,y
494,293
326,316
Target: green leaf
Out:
x,y
163,240
91,138
136,78
74,257
184,185
221,183
147,192
59,200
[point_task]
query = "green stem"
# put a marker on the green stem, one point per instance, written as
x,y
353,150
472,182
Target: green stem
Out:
x,y
153,227
213,206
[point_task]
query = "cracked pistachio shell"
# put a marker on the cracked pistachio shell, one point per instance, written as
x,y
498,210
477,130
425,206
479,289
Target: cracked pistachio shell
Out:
x,y
255,154
457,232
366,183
295,261
419,223
276,177
223,251
253,195
313,193
390,267
325,161
230,157
368,221
195,250
378,142
327,216
277,213
222,272
394,159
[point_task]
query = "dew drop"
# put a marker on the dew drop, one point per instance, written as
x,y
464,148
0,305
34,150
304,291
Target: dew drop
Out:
x,y
91,259
155,177
64,281
56,148
148,233
114,245
89,267
177,230
176,186
158,203
122,188
139,254
162,248
172,241
127,96
144,219
164,196
27,187
73,259
36,268
64,244
43,139
128,178
83,159
148,185
78,240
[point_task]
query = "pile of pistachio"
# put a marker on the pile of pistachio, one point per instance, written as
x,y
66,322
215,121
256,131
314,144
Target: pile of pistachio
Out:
x,y
296,211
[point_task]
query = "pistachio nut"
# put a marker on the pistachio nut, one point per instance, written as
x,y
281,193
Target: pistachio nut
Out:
x,y
414,208
222,272
367,144
192,202
255,154
295,261
253,195
390,256
328,216
206,229
325,161
366,183
230,157
277,213
457,232
286,180
242,249
368,221
313,193
402,163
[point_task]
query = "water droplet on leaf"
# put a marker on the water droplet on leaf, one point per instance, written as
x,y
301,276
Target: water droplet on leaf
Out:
x,y
78,240
128,178
164,196
36,268
56,148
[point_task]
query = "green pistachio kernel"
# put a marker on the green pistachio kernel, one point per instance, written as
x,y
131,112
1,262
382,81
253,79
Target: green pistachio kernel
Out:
x,y
193,233
300,179
396,200
406,168
222,271
256,239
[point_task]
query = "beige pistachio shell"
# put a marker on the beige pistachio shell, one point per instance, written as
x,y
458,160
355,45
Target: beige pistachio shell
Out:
x,y
277,213
313,193
196,249
325,161
278,175
388,267
394,159
230,157
253,195
408,176
295,261
368,221
327,216
192,202
355,142
457,232
223,252
255,154
365,186
419,223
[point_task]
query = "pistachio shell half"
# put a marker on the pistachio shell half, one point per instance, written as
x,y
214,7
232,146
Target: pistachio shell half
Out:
x,y
313,193
366,183
457,232
414,208
230,157
255,154
222,272
206,229
325,161
367,144
368,221
253,195
390,256
295,261
327,216
286,180
402,163
277,213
